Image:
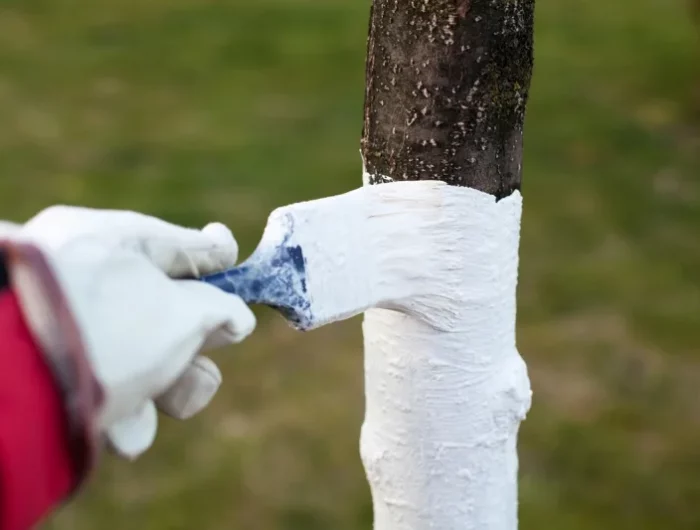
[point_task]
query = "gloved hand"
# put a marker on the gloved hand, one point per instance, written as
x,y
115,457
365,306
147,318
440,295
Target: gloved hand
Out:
x,y
7,229
142,328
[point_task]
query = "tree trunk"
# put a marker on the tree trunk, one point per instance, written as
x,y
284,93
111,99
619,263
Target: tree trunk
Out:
x,y
446,87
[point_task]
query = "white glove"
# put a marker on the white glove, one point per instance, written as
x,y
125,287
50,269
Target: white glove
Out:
x,y
142,330
7,229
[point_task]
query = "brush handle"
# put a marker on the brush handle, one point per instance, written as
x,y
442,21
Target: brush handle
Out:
x,y
275,278
244,281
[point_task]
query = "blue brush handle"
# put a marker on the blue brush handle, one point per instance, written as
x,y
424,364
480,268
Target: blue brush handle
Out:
x,y
274,277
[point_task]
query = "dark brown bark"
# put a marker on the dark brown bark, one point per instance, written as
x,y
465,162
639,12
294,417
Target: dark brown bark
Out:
x,y
447,84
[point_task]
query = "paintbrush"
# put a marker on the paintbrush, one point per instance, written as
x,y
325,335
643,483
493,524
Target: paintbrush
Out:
x,y
310,263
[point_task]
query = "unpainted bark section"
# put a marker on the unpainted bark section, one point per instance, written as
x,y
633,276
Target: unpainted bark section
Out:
x,y
446,87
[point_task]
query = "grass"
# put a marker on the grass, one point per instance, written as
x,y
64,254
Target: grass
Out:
x,y
221,110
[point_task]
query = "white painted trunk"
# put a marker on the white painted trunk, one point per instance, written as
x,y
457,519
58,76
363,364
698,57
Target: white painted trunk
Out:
x,y
446,388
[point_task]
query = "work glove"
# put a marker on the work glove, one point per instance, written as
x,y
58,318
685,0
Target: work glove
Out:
x,y
111,300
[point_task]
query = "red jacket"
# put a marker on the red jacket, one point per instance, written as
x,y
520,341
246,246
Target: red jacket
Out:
x,y
36,472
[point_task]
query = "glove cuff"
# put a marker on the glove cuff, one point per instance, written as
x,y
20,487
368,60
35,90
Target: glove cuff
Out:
x,y
47,314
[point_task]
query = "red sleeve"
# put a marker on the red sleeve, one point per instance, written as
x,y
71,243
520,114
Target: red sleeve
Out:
x,y
36,471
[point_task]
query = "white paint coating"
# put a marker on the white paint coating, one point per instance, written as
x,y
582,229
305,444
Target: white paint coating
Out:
x,y
376,247
446,388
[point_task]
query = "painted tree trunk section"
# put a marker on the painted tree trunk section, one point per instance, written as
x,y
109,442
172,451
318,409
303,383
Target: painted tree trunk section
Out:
x,y
446,89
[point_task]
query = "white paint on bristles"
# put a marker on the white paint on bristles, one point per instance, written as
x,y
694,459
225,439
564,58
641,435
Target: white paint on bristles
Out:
x,y
446,388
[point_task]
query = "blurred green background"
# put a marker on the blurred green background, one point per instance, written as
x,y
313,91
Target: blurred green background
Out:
x,y
199,110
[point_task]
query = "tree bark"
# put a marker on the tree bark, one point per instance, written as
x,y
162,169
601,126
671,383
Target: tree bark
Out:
x,y
446,87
